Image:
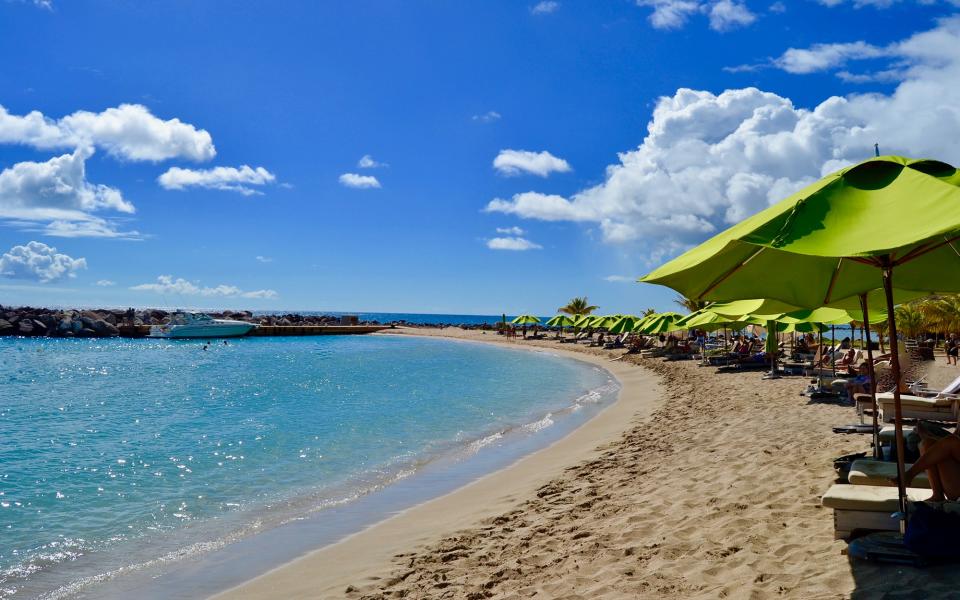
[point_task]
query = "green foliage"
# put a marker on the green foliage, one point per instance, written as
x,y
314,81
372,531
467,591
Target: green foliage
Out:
x,y
578,306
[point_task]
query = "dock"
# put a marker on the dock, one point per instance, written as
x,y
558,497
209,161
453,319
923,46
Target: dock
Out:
x,y
139,331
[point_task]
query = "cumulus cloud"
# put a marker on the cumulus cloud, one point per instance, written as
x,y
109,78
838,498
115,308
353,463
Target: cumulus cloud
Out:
x,y
233,179
128,131
367,162
56,195
515,162
166,284
487,117
264,259
545,7
708,160
105,283
354,180
821,57
724,15
512,243
515,231
37,261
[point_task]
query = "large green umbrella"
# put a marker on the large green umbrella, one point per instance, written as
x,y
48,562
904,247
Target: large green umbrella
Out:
x,y
582,321
560,321
604,321
624,324
843,236
662,323
526,320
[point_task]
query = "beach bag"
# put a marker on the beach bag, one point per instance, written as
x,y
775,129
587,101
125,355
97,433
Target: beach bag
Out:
x,y
932,532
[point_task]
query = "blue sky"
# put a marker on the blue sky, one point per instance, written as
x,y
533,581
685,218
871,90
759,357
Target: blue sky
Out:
x,y
209,153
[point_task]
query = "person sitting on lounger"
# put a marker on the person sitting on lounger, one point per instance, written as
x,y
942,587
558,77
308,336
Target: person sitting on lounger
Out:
x,y
940,458
859,384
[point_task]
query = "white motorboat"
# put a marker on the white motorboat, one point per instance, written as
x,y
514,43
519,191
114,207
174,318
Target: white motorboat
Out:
x,y
198,325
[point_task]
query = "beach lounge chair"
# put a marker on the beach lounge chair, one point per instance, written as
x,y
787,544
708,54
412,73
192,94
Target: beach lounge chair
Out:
x,y
924,404
865,508
868,471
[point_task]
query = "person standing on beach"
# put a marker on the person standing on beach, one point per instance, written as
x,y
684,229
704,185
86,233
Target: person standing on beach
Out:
x,y
953,348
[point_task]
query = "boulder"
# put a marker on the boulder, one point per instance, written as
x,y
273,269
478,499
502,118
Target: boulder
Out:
x,y
6,328
65,325
39,327
25,327
104,329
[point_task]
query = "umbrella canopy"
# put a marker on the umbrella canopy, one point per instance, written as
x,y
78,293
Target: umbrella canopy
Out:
x,y
885,222
525,320
624,324
661,323
560,321
604,321
582,320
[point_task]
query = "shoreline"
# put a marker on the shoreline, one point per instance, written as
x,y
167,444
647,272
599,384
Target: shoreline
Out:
x,y
333,570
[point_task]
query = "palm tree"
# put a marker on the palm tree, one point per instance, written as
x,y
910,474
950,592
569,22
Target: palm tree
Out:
x,y
578,306
690,305
648,312
910,320
942,313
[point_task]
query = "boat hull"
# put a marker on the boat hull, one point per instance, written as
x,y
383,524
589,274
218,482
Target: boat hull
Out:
x,y
200,331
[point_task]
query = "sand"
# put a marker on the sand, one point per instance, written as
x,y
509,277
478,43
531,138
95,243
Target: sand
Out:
x,y
693,485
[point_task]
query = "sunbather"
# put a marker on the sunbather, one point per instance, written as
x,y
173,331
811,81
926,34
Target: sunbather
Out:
x,y
940,458
859,384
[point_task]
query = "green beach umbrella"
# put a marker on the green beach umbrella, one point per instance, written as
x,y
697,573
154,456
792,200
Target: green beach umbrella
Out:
x,y
582,321
560,321
624,324
886,222
662,323
525,320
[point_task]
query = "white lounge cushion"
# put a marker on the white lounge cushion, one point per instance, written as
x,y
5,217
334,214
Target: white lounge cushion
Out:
x,y
888,434
878,473
886,399
870,498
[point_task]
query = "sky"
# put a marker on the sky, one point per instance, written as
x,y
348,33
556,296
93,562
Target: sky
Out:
x,y
424,156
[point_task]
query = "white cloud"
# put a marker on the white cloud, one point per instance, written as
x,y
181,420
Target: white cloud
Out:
x,y
47,4
487,117
353,180
39,262
619,279
724,15
515,162
218,178
367,162
515,231
545,7
821,57
166,284
778,7
129,131
57,195
708,160
105,283
264,259
512,243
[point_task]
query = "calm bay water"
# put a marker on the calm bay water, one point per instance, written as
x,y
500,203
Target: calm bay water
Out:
x,y
122,452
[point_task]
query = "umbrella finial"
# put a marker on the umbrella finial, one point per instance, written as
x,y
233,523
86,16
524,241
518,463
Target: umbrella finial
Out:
x,y
876,149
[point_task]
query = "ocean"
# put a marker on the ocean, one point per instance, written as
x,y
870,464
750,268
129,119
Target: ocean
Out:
x,y
125,456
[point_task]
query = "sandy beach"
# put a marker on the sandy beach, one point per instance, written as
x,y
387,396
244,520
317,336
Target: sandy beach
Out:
x,y
693,485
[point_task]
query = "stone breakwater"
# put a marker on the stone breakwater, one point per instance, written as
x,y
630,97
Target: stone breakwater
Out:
x,y
47,322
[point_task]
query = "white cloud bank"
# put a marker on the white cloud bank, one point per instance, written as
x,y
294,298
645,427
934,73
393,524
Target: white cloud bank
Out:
x,y
514,231
368,162
234,179
166,284
724,15
710,160
105,283
128,131
354,180
56,198
512,243
37,261
487,117
515,162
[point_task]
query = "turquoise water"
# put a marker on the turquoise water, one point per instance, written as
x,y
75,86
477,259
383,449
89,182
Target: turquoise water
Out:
x,y
118,452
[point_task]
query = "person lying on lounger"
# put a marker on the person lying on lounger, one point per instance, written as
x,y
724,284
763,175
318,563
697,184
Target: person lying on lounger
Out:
x,y
940,458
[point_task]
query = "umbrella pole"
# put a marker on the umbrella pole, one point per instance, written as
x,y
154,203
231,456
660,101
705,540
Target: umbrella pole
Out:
x,y
873,379
833,354
898,410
